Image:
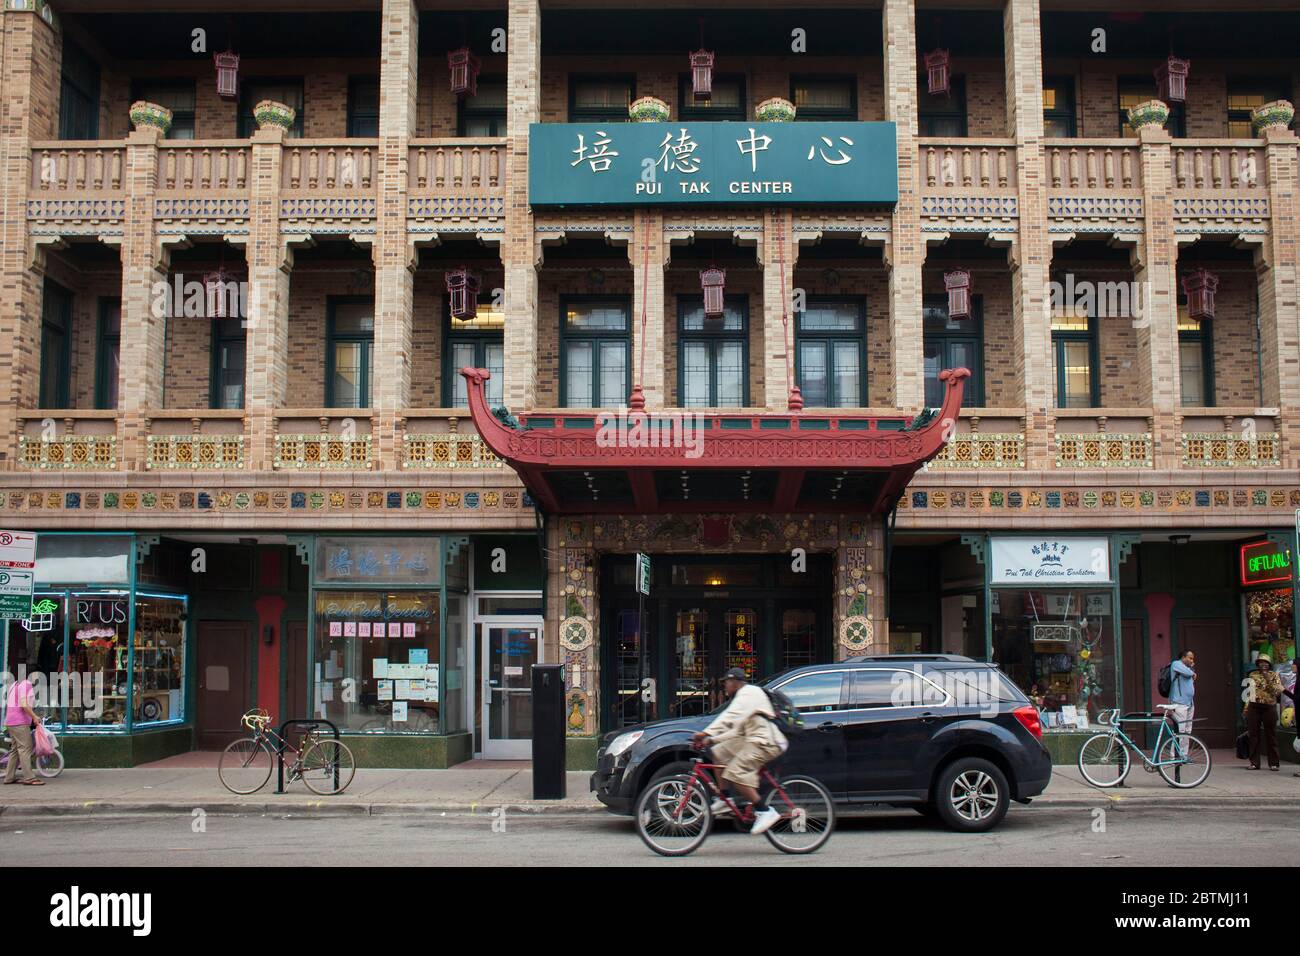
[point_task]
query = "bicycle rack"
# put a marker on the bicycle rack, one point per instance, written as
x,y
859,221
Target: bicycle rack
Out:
x,y
279,753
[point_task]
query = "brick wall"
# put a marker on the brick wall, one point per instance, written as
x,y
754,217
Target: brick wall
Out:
x,y
992,287
986,102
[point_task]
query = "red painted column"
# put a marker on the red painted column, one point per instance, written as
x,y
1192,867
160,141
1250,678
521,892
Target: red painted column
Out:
x,y
1159,609
269,609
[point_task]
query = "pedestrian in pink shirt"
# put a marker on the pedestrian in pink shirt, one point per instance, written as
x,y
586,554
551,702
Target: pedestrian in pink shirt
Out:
x,y
20,717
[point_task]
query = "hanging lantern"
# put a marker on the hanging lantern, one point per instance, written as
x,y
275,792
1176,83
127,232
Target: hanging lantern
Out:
x,y
227,74
958,286
702,75
938,72
1171,80
1199,286
464,67
462,289
714,282
220,292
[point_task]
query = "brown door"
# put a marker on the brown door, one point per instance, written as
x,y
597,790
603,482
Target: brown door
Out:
x,y
1216,710
224,693
1135,672
295,671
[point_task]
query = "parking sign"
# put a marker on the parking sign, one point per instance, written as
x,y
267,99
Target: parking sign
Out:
x,y
16,593
17,549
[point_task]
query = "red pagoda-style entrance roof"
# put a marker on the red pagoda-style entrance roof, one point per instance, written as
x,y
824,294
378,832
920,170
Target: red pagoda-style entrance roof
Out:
x,y
647,462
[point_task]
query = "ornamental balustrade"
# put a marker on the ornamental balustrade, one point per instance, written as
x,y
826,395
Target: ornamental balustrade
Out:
x,y
75,440
340,442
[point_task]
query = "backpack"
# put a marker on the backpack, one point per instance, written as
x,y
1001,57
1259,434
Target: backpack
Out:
x,y
1166,682
788,720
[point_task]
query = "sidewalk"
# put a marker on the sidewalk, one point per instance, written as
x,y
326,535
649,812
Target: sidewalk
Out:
x,y
179,786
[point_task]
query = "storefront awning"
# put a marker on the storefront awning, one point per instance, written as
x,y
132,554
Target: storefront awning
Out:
x,y
647,462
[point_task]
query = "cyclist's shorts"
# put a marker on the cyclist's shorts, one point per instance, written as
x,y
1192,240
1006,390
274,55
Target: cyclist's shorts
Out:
x,y
743,759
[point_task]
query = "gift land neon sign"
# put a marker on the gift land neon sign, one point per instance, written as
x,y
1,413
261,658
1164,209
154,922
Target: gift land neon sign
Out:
x,y
1264,562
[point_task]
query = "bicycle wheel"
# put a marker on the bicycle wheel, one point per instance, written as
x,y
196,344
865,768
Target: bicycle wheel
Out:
x,y
51,766
673,815
1192,769
807,815
245,765
1104,760
319,763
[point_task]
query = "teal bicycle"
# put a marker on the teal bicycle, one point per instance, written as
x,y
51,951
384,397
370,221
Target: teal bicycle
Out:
x,y
1181,759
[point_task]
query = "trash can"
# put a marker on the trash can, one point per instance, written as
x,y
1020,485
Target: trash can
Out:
x,y
548,732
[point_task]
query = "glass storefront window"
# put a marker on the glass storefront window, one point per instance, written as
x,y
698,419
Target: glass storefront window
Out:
x,y
457,664
83,559
377,666
1269,627
1058,646
35,646
361,562
99,651
159,658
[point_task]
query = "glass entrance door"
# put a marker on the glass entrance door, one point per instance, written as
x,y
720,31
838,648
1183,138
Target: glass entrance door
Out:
x,y
510,649
709,638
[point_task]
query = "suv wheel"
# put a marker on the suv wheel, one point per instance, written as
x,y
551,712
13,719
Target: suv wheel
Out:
x,y
971,795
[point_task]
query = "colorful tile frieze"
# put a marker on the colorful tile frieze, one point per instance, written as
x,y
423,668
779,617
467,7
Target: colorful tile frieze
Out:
x,y
1129,499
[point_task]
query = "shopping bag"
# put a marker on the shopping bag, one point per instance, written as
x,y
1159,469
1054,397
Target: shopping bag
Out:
x,y
1243,747
42,742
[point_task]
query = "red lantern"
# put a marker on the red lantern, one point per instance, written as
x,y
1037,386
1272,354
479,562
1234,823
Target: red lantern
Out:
x,y
462,290
958,286
1199,287
937,72
702,75
464,71
227,74
714,282
1171,80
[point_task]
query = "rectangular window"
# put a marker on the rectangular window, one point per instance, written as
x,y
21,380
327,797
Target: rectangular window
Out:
x,y
1074,348
953,343
484,114
177,96
824,98
1135,90
229,352
830,353
286,91
595,351
349,352
713,354
78,94
108,353
363,106
1195,359
726,104
941,115
1245,95
56,339
1058,106
477,342
600,99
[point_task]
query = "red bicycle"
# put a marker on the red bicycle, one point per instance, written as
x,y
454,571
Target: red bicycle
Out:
x,y
674,815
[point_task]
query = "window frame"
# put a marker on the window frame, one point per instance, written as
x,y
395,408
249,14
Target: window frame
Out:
x,y
712,339
973,395
64,358
101,339
689,112
830,337
1177,122
590,115
1204,337
956,96
1281,89
464,111
1059,338
846,680
367,353
596,337
70,83
1067,84
297,131
479,338
817,114
139,91
354,82
214,365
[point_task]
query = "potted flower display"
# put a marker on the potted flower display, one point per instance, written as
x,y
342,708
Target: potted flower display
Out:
x,y
150,114
272,115
777,109
1149,113
648,109
1275,115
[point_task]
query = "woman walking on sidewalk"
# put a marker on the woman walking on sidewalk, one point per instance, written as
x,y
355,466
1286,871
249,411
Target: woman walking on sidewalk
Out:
x,y
1263,691
20,717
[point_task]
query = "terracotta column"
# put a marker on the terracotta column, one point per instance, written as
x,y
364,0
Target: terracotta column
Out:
x,y
267,333
518,250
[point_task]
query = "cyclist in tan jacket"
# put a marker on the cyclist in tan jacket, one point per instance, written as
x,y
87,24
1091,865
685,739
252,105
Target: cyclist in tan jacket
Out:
x,y
745,739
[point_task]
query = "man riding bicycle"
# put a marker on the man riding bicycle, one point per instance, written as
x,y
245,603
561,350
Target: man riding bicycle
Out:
x,y
744,738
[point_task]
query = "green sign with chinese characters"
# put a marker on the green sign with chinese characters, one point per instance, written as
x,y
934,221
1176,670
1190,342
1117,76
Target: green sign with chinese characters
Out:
x,y
663,164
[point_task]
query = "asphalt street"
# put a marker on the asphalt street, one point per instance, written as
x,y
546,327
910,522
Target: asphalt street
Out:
x,y
1039,837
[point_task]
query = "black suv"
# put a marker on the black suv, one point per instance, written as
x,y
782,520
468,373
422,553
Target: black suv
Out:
x,y
945,734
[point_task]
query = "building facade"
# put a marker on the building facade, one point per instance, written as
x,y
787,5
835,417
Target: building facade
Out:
x,y
231,404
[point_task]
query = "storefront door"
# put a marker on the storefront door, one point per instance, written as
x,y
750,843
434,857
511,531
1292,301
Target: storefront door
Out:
x,y
509,650
1216,687
224,654
708,638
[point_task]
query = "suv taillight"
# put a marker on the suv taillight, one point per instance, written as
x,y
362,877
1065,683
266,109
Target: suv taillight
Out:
x,y
1028,717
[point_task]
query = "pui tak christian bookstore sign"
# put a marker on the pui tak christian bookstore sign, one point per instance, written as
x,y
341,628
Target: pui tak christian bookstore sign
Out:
x,y
660,164
1050,560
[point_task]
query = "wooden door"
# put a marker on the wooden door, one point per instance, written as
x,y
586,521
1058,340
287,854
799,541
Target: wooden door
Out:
x,y
1216,685
294,676
1135,667
224,691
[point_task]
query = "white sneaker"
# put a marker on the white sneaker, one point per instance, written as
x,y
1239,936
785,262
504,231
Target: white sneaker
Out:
x,y
764,820
720,807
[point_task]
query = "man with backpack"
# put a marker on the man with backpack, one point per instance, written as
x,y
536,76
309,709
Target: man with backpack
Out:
x,y
1181,689
744,738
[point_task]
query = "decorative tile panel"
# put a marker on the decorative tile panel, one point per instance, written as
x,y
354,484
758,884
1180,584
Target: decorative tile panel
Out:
x,y
323,451
993,450
1219,450
68,452
195,451
1104,451
446,450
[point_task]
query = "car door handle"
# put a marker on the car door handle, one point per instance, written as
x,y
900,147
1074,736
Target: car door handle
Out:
x,y
827,726
928,718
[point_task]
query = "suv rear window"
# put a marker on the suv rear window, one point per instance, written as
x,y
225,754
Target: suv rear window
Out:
x,y
815,692
978,685
891,687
